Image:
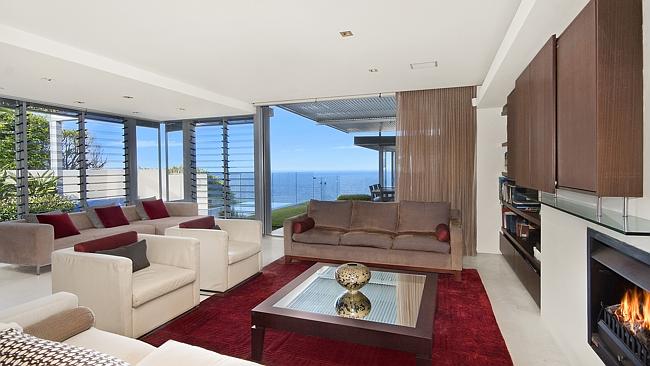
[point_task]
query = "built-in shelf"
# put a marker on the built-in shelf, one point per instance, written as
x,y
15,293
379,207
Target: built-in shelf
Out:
x,y
613,220
522,248
532,217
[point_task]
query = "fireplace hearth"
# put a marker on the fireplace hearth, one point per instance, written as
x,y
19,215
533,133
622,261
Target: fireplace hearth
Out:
x,y
618,301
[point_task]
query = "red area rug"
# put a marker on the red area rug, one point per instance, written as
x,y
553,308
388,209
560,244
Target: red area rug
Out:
x,y
466,332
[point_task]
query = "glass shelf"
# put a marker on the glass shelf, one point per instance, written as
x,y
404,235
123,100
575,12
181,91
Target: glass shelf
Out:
x,y
631,225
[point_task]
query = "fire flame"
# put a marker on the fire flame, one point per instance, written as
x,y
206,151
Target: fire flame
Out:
x,y
634,311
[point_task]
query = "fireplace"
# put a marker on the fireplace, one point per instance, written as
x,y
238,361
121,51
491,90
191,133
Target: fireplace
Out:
x,y
618,301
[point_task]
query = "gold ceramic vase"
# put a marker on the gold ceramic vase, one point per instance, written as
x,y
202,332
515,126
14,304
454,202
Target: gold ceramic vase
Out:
x,y
352,276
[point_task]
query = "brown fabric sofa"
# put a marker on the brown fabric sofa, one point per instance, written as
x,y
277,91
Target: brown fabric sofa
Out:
x,y
30,244
382,234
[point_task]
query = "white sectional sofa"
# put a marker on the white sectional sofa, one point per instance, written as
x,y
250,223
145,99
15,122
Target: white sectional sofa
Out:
x,y
31,244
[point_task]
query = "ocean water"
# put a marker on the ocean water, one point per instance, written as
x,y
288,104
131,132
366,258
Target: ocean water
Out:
x,y
289,188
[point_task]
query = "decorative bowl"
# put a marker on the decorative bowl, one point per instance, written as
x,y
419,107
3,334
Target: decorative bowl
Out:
x,y
353,305
352,276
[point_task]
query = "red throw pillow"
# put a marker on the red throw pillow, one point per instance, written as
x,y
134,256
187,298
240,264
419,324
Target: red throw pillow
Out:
x,y
111,216
303,225
442,232
63,225
200,223
155,209
107,242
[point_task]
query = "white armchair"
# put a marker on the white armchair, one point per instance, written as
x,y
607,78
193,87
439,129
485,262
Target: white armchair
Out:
x,y
228,256
127,303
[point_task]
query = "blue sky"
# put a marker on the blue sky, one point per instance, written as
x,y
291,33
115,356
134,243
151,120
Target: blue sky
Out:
x,y
297,145
300,144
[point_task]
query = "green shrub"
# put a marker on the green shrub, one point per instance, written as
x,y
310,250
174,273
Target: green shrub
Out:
x,y
353,197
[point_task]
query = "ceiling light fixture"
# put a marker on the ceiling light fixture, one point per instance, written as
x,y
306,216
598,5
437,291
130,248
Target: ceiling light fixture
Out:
x,y
373,69
424,65
45,78
127,97
79,101
346,34
135,112
181,108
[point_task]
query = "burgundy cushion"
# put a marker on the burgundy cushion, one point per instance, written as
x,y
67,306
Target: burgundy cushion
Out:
x,y
111,216
303,225
155,209
206,222
63,225
107,242
442,232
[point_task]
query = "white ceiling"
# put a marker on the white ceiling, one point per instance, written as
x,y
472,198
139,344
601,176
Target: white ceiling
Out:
x,y
219,57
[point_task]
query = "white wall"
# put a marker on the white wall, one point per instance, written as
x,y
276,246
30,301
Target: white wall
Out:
x,y
490,133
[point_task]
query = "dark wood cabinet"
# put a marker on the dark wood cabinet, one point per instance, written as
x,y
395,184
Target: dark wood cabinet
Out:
x,y
542,91
522,130
599,100
531,123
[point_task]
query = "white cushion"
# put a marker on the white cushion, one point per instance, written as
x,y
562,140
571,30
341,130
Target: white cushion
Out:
x,y
240,250
125,348
157,280
173,353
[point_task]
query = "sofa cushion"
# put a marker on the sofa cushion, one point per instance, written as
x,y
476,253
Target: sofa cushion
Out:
x,y
92,216
205,222
374,216
442,232
422,217
63,325
300,226
140,209
111,216
18,348
136,252
420,242
162,224
81,220
367,239
318,236
155,209
330,214
63,226
158,280
240,250
125,348
107,242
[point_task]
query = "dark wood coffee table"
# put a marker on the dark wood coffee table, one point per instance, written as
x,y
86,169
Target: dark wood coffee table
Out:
x,y
401,316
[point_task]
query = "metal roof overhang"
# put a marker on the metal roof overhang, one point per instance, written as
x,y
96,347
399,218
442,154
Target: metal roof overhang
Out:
x,y
370,114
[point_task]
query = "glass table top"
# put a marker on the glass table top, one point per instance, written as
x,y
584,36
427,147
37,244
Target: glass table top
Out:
x,y
389,298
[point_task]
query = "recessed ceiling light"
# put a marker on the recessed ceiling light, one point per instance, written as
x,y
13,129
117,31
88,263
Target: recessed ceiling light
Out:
x,y
135,112
346,34
79,101
48,79
127,97
181,108
424,65
373,69
2,88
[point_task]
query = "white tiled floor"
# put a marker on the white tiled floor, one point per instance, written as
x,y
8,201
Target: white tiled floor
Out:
x,y
528,341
